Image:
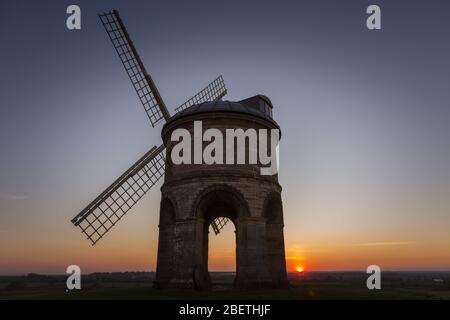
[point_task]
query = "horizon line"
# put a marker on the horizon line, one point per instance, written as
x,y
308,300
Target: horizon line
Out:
x,y
291,271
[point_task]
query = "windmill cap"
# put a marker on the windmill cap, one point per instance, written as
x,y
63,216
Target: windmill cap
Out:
x,y
257,101
259,106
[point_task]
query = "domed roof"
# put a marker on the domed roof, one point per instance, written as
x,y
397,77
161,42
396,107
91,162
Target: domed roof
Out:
x,y
246,106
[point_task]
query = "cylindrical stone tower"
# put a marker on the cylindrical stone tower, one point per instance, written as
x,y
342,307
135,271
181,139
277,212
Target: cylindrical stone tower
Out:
x,y
193,195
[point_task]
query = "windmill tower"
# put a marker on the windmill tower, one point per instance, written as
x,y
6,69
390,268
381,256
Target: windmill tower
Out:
x,y
196,196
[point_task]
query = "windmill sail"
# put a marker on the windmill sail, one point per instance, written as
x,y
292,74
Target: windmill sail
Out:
x,y
216,90
142,82
218,223
109,207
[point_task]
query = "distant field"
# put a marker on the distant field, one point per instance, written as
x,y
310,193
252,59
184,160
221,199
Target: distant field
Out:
x,y
313,285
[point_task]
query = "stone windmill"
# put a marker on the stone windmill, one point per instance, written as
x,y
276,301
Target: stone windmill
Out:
x,y
196,196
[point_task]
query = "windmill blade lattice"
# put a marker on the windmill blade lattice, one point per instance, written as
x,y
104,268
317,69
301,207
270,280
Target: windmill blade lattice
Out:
x,y
142,82
216,90
108,208
218,223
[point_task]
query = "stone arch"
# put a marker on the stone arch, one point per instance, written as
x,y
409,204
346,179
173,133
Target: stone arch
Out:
x,y
168,202
220,192
212,202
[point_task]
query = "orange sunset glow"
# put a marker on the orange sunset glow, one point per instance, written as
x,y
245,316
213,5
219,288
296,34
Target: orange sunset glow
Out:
x,y
133,246
323,243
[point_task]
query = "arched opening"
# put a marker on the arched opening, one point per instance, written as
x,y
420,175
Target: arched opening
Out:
x,y
219,203
222,254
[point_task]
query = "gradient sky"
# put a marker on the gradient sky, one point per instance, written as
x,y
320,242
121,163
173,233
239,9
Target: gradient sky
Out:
x,y
365,153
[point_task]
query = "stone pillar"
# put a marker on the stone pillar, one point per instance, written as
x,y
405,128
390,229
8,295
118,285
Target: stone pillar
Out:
x,y
184,255
165,262
276,255
253,264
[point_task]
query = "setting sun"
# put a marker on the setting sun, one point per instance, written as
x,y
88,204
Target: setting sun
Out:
x,y
299,269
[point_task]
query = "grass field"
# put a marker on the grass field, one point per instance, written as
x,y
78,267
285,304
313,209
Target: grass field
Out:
x,y
313,285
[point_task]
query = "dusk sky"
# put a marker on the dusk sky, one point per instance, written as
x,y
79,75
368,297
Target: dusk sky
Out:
x,y
365,120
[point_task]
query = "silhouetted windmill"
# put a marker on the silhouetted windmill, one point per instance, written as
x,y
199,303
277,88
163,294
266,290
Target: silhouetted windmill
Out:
x,y
109,207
